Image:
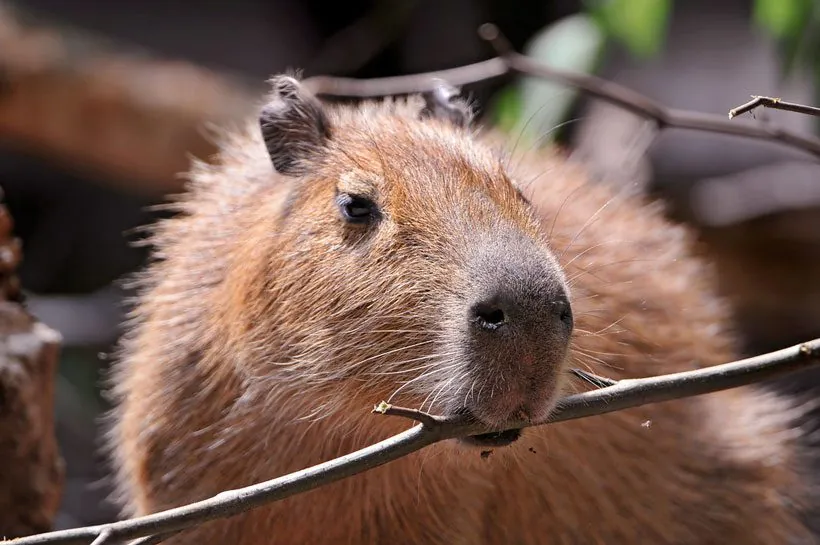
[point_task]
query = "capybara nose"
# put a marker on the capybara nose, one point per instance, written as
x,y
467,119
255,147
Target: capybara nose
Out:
x,y
505,309
518,335
520,309
518,326
490,314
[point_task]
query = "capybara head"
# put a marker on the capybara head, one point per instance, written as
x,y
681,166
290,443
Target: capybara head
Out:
x,y
397,261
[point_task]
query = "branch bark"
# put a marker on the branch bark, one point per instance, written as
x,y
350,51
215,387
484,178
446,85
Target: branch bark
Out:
x,y
622,395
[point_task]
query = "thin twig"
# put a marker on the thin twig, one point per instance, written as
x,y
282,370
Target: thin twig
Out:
x,y
104,538
154,539
510,62
625,394
774,104
413,414
401,85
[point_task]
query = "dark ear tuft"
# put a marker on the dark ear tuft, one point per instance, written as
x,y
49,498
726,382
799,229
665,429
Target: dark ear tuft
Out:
x,y
443,102
294,126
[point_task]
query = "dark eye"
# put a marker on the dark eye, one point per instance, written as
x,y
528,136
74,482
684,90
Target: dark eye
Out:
x,y
357,209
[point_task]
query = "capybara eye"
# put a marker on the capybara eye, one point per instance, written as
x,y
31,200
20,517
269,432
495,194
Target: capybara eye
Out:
x,y
357,209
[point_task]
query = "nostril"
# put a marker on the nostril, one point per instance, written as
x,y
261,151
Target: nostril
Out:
x,y
488,316
564,312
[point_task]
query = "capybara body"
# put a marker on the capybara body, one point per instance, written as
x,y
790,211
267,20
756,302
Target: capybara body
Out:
x,y
338,256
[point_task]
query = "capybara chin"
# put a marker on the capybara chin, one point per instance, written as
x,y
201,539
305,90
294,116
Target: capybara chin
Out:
x,y
336,256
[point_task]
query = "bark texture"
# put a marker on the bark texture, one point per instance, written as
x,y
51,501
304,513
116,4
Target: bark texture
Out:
x,y
31,469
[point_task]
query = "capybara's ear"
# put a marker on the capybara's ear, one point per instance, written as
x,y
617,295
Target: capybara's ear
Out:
x,y
443,102
294,126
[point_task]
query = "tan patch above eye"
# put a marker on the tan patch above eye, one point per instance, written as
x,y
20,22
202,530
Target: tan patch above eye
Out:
x,y
355,183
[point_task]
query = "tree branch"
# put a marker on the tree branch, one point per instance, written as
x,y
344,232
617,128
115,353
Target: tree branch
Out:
x,y
624,394
509,62
774,104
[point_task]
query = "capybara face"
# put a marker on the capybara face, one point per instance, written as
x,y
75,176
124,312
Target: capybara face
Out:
x,y
410,269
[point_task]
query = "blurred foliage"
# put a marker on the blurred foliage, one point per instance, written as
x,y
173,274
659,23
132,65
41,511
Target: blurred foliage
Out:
x,y
640,25
576,43
783,18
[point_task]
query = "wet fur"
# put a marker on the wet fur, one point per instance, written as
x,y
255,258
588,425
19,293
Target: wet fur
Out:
x,y
228,377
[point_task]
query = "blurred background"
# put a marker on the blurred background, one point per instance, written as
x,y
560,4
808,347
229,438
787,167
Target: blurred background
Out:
x,y
103,103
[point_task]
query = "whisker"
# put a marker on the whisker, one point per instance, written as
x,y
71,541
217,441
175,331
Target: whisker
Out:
x,y
469,392
439,387
411,360
560,208
483,385
538,141
422,376
591,248
522,132
587,224
619,262
613,324
587,333
443,388
587,350
393,351
525,184
597,360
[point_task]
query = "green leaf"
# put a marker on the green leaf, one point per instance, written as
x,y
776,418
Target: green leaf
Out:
x,y
639,24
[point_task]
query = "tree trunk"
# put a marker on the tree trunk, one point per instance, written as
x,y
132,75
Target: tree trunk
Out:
x,y
31,470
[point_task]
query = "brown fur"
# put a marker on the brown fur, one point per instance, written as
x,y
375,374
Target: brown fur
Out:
x,y
264,332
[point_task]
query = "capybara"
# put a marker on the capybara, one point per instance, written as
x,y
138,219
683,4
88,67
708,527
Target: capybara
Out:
x,y
336,255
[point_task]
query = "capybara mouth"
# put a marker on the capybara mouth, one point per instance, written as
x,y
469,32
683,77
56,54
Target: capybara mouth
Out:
x,y
498,439
493,439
